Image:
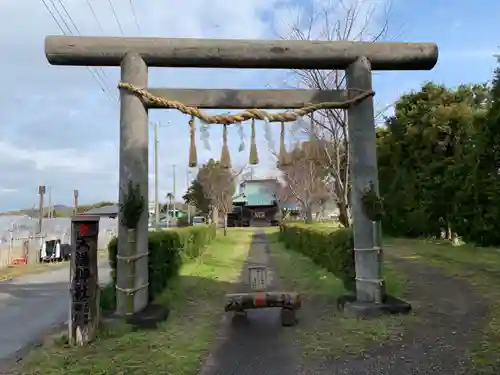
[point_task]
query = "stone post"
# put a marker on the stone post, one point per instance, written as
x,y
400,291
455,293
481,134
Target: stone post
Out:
x,y
133,167
363,167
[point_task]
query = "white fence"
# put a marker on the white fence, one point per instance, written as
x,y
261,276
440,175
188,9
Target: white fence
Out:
x,y
17,232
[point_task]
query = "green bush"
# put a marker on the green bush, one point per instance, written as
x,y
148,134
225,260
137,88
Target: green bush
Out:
x,y
167,250
330,248
107,299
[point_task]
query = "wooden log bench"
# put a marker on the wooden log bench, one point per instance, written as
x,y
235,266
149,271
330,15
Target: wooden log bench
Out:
x,y
288,301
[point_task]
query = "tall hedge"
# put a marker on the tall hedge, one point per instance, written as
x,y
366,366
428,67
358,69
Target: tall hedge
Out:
x,y
167,250
330,248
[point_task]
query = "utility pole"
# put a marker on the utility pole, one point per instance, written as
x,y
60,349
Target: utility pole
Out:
x,y
49,215
157,203
173,177
75,203
168,210
41,192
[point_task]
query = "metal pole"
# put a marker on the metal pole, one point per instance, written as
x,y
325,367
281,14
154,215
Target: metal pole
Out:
x,y
157,203
173,204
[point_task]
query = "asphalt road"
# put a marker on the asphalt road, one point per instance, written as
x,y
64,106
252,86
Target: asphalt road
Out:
x,y
31,305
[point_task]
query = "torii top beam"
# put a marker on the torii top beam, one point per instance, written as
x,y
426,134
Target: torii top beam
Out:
x,y
228,53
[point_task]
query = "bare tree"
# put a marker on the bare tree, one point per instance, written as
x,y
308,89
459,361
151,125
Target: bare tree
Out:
x,y
284,196
335,20
224,200
304,177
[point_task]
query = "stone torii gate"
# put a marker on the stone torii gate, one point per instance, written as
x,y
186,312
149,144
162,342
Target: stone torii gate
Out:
x,y
135,55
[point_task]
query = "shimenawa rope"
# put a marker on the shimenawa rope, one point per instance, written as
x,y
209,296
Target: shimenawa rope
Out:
x,y
256,114
248,114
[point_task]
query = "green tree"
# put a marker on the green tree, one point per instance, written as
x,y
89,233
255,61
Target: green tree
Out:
x,y
480,194
194,196
424,158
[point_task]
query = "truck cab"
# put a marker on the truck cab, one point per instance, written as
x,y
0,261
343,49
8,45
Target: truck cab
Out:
x,y
199,220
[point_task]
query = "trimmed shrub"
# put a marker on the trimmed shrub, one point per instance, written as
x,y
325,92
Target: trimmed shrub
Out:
x,y
167,250
330,248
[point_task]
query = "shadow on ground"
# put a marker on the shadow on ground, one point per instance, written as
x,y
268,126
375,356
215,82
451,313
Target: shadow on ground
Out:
x,y
196,306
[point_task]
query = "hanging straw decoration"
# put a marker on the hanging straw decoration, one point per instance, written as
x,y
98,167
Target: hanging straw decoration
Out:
x,y
312,148
193,155
283,156
254,156
225,157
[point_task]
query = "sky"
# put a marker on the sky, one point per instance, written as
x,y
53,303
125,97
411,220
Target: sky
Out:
x,y
59,127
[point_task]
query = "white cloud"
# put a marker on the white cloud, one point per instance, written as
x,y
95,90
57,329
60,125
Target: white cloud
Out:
x,y
59,128
81,161
66,126
7,190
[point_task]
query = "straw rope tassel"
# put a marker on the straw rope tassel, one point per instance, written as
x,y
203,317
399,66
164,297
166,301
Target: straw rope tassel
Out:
x,y
312,147
283,156
225,157
254,156
193,154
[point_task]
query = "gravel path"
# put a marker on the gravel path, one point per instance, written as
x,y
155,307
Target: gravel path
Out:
x,y
449,314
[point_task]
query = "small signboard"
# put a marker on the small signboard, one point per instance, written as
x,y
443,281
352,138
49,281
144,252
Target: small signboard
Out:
x,y
257,278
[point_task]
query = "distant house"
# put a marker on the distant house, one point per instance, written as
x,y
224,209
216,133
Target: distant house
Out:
x,y
113,210
109,211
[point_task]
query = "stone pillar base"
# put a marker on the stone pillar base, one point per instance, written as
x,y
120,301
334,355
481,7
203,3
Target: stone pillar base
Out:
x,y
391,305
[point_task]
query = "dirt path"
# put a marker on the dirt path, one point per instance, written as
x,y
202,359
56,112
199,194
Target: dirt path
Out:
x,y
449,313
257,345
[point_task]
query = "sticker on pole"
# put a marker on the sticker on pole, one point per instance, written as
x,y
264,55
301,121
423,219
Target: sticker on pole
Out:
x,y
257,277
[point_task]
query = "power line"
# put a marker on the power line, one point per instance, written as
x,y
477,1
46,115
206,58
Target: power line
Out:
x,y
67,13
116,16
99,71
59,14
95,16
95,74
58,23
135,16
